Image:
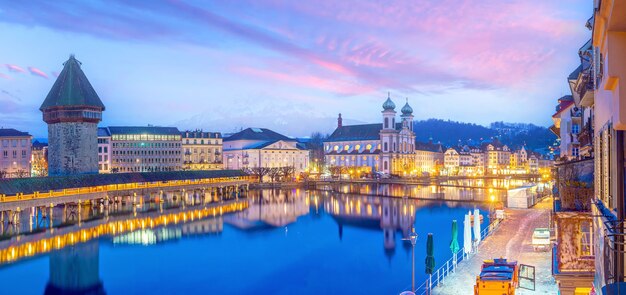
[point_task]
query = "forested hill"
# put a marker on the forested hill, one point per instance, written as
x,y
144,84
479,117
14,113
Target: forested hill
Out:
x,y
513,134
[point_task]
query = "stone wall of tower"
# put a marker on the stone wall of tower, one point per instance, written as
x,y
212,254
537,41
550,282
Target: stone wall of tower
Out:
x,y
72,148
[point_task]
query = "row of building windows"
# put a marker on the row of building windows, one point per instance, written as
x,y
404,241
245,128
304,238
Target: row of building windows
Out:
x,y
150,137
5,154
202,151
347,147
403,148
146,145
149,160
195,141
144,153
14,142
145,169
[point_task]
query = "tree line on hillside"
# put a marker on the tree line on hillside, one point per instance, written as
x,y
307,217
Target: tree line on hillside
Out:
x,y
450,133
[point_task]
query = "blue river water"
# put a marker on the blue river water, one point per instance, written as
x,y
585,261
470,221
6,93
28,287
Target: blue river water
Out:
x,y
284,242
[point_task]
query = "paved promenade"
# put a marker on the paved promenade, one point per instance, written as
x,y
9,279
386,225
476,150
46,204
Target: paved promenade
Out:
x,y
513,241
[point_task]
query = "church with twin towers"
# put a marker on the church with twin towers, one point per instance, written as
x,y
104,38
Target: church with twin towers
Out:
x,y
388,147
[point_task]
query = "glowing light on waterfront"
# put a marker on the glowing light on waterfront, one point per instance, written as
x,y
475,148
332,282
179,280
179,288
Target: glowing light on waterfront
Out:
x,y
28,249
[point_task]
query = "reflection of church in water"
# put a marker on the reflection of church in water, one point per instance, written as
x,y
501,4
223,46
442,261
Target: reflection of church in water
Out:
x,y
391,215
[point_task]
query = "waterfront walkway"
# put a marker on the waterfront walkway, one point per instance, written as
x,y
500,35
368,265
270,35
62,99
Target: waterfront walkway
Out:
x,y
513,241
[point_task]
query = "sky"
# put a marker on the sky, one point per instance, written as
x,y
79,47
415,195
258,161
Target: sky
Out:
x,y
292,66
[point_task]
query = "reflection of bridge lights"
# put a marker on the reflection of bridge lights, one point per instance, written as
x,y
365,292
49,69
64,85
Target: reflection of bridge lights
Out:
x,y
28,249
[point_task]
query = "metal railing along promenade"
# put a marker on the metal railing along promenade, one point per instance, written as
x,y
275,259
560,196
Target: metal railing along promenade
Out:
x,y
449,267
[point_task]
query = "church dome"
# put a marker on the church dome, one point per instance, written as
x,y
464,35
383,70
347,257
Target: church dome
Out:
x,y
407,109
389,105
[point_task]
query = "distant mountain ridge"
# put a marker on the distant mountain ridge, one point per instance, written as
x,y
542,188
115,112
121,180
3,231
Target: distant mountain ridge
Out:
x,y
515,135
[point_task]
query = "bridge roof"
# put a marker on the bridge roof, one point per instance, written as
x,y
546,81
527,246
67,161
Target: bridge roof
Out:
x,y
12,186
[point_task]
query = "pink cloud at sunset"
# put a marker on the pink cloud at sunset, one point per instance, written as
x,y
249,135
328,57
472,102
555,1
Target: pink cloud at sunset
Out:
x,y
15,69
37,72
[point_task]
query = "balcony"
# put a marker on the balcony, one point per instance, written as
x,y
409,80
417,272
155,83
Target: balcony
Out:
x,y
575,186
585,90
573,199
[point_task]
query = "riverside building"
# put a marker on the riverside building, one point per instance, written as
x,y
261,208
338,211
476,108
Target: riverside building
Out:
x,y
202,150
15,153
261,147
139,149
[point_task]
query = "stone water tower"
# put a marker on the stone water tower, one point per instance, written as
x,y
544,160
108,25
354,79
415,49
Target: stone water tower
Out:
x,y
72,110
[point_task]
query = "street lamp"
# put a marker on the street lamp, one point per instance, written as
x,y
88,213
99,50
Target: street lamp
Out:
x,y
413,239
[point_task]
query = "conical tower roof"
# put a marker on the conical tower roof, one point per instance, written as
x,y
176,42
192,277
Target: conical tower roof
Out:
x,y
72,89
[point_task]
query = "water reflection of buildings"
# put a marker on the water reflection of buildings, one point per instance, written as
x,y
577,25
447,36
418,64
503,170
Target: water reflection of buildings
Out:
x,y
270,209
391,215
150,236
475,190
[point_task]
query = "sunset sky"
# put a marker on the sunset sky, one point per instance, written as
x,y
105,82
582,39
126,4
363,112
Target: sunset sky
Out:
x,y
292,65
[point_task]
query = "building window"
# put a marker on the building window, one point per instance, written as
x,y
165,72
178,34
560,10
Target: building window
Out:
x,y
5,154
14,154
575,152
586,244
23,154
575,128
386,123
385,147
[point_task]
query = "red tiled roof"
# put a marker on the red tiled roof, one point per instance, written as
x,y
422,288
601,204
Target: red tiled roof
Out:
x,y
562,106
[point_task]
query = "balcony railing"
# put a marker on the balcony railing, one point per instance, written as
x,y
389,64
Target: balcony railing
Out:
x,y
614,248
585,85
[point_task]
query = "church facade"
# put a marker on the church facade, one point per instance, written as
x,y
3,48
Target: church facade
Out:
x,y
387,147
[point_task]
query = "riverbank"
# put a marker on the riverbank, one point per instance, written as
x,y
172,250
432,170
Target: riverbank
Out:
x,y
511,241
